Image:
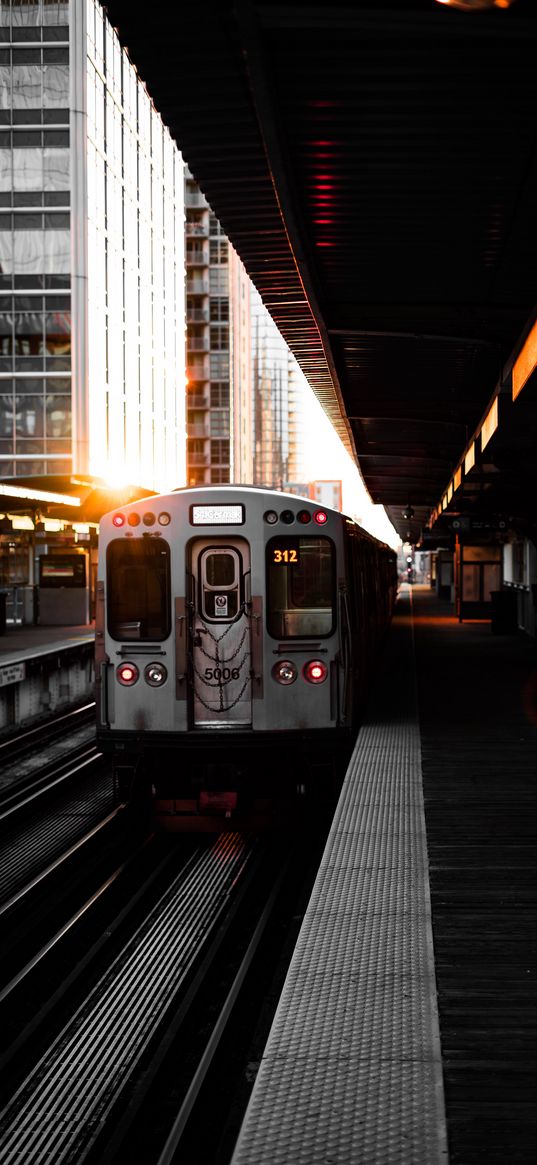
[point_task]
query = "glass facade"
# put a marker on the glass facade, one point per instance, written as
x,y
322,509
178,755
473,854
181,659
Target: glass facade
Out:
x,y
270,375
35,251
92,327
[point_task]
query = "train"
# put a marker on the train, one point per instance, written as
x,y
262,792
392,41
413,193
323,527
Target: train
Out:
x,y
236,634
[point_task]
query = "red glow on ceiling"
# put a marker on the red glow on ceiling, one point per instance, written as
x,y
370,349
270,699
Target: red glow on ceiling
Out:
x,y
323,221
324,244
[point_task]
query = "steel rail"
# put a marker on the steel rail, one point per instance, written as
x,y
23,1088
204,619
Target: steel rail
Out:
x,y
17,898
79,968
37,840
58,1111
44,780
171,1146
47,729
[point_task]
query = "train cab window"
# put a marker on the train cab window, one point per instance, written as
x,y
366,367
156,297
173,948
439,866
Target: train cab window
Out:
x,y
138,589
301,592
220,582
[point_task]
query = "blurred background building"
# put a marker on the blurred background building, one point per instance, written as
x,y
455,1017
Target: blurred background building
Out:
x,y
91,256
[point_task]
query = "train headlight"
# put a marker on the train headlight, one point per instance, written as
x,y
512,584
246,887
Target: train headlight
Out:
x,y
315,671
127,674
284,672
271,517
155,674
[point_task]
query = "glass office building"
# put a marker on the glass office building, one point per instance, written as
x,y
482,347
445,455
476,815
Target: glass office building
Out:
x,y
92,317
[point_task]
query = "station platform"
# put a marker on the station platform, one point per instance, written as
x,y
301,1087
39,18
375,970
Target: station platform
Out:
x,y
405,1032
28,642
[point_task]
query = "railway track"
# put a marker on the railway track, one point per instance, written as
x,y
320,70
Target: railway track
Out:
x,y
143,1029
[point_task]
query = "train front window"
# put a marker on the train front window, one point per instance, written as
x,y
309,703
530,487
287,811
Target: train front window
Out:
x,y
301,593
138,589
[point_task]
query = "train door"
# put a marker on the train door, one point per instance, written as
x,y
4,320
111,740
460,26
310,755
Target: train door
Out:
x,y
220,634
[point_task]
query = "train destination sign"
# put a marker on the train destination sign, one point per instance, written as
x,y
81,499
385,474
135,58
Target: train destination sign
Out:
x,y
217,515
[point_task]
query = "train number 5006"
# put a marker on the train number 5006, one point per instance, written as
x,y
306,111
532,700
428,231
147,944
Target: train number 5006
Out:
x,y
221,673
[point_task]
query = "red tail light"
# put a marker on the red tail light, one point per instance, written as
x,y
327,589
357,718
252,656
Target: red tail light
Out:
x,y
315,671
118,520
320,517
127,674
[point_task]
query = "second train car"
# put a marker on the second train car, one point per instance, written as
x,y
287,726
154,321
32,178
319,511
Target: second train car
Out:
x,y
236,633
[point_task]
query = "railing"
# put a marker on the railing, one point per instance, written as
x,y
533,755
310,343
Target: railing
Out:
x,y
197,430
197,315
195,257
197,400
194,199
197,458
197,372
196,229
197,286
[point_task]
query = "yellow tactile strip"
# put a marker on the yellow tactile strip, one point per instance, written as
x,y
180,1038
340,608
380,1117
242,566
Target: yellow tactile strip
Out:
x,y
352,1069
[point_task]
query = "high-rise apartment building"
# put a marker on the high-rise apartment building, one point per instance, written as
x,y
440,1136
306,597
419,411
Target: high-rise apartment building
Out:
x,y
280,394
246,394
218,350
92,326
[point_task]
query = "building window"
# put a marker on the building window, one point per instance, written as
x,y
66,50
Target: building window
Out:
x,y
220,452
220,310
219,365
219,339
219,423
218,251
219,476
220,394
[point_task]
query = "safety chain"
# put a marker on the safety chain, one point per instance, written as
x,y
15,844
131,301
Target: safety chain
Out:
x,y
228,707
221,663
214,658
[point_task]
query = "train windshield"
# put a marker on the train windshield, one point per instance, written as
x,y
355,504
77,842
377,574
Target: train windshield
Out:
x,y
138,589
301,589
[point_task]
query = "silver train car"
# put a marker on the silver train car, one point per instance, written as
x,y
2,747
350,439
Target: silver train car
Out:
x,y
236,632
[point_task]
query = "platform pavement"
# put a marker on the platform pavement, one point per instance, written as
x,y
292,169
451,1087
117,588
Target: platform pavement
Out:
x,y
342,1076
27,641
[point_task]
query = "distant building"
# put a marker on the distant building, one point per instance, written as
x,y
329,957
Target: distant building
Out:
x,y
91,256
219,447
327,493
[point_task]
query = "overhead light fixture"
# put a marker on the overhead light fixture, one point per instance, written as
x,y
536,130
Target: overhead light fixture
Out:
x,y
38,495
476,5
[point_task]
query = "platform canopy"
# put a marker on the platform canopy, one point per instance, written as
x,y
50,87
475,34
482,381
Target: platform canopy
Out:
x,y
374,164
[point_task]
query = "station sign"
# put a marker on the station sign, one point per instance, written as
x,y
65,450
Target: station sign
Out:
x,y
465,524
12,673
